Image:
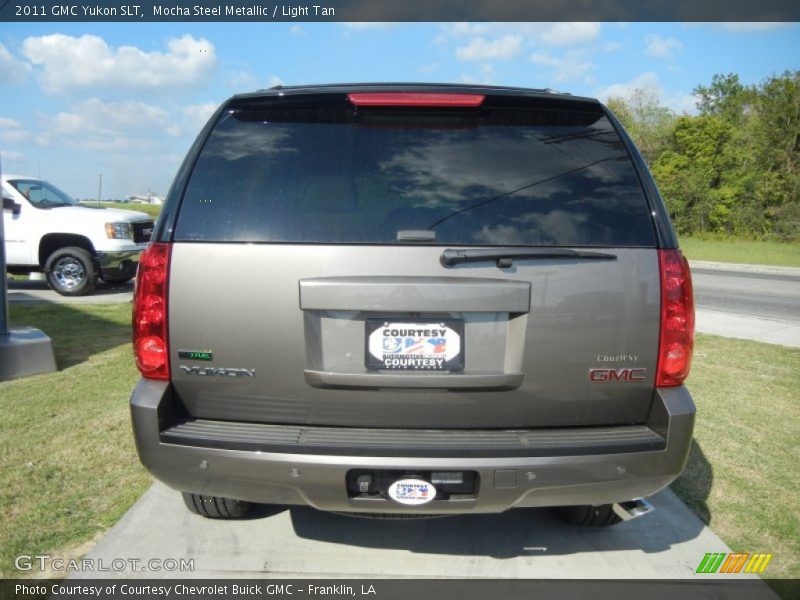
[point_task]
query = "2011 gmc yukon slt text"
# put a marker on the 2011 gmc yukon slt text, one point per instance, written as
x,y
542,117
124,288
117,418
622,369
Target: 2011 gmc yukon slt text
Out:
x,y
414,299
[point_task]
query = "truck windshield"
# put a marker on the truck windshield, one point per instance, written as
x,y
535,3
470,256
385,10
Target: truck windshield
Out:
x,y
42,194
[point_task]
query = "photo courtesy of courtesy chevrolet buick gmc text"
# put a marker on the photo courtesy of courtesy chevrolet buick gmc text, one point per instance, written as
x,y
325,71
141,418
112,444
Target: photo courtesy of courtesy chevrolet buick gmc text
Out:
x,y
414,299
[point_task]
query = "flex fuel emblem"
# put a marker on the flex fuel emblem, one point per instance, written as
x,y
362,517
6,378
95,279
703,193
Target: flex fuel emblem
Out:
x,y
412,491
196,355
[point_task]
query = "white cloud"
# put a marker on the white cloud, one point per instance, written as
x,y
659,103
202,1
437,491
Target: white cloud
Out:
x,y
97,125
551,34
649,85
686,103
754,27
65,62
570,67
197,115
501,48
9,123
11,156
12,70
275,80
12,132
428,68
242,79
626,90
486,76
297,30
662,47
13,136
504,41
363,25
567,34
461,30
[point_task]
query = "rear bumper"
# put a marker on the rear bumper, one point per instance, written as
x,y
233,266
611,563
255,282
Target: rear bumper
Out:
x,y
541,477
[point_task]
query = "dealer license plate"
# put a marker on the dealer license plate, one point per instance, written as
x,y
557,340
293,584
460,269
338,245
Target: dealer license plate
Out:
x,y
415,345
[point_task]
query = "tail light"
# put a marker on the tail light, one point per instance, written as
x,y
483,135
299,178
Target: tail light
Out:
x,y
150,313
677,319
415,99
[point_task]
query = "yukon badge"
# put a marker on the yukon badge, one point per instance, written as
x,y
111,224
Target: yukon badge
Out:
x,y
218,372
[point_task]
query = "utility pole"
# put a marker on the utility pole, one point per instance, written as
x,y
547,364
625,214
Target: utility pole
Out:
x,y
3,277
23,350
100,188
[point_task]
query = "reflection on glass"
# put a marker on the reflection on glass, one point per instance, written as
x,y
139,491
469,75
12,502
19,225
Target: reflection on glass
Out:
x,y
323,176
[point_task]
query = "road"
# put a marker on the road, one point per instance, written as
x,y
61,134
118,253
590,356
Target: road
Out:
x,y
747,293
748,301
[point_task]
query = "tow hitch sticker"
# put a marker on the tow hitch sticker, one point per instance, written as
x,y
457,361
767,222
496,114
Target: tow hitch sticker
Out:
x,y
412,491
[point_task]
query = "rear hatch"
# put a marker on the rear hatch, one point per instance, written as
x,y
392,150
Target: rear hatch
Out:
x,y
460,262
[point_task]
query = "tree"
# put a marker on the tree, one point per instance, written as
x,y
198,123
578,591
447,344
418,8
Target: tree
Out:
x,y
776,140
647,121
735,167
726,97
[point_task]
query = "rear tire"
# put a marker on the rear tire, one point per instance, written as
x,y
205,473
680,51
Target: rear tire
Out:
x,y
215,507
588,516
71,271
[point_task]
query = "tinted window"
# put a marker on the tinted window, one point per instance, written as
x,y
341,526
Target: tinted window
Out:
x,y
488,177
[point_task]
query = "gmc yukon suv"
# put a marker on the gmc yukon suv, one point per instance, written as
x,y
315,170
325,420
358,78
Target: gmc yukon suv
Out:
x,y
414,299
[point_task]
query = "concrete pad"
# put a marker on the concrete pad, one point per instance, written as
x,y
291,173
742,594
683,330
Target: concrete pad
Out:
x,y
25,351
669,543
769,331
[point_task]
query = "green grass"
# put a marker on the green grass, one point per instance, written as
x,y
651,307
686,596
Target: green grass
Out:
x,y
68,465
69,470
741,251
151,209
743,477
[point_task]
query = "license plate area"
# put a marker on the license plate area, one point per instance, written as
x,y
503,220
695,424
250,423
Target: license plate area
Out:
x,y
414,344
372,484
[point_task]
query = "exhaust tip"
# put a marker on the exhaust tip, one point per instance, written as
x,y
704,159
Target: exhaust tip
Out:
x,y
632,509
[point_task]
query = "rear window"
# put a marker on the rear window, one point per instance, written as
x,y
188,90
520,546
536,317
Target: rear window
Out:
x,y
468,177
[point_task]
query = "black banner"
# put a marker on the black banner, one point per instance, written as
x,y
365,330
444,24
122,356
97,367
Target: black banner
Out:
x,y
390,589
392,10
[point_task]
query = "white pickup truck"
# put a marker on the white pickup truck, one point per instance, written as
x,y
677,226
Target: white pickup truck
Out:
x,y
46,230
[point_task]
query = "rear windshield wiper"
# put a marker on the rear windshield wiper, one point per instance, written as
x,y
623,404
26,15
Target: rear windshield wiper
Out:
x,y
505,257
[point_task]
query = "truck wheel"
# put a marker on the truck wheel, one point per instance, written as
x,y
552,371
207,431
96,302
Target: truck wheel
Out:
x,y
214,507
71,271
588,516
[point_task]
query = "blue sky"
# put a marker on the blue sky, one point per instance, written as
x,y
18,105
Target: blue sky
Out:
x,y
124,101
